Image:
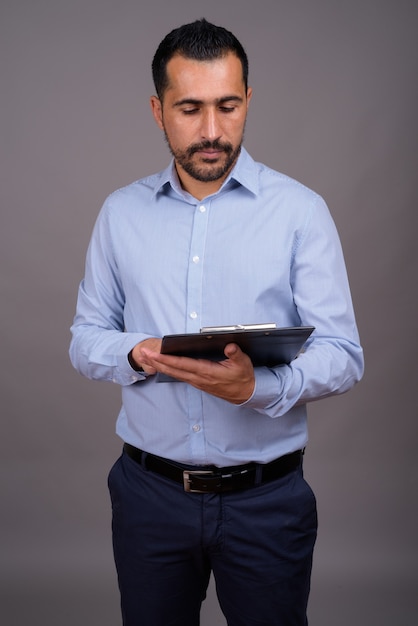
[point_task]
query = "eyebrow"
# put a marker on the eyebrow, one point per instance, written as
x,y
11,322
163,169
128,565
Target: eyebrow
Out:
x,y
197,102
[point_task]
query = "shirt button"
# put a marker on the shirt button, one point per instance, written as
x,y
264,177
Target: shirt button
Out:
x,y
202,208
196,259
193,315
196,428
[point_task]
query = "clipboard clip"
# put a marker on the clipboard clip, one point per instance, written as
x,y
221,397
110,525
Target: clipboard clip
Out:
x,y
237,327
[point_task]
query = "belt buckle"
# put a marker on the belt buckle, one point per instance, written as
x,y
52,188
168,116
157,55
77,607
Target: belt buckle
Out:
x,y
188,477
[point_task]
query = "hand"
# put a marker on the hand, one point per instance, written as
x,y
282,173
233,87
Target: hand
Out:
x,y
136,355
232,379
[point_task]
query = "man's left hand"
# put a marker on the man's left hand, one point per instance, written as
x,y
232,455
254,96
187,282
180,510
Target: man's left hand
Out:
x,y
231,379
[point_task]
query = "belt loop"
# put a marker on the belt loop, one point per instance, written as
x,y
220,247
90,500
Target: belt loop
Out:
x,y
258,474
144,459
302,453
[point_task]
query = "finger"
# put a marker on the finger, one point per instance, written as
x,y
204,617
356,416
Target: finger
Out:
x,y
169,364
233,351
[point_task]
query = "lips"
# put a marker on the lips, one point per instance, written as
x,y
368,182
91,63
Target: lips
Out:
x,y
210,154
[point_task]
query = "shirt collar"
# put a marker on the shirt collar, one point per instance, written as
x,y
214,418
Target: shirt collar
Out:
x,y
245,173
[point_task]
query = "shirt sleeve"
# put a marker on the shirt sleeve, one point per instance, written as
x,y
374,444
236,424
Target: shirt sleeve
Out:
x,y
100,345
333,359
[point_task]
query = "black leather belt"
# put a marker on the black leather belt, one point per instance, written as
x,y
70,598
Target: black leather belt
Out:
x,y
211,479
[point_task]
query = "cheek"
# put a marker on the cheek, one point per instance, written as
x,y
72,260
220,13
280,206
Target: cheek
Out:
x,y
179,136
234,128
174,138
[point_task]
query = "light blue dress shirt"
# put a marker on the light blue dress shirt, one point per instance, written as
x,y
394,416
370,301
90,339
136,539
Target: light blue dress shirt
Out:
x,y
263,248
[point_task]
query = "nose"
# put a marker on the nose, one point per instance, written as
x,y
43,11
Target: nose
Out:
x,y
210,125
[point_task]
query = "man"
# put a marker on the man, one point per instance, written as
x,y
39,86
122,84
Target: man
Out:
x,y
210,478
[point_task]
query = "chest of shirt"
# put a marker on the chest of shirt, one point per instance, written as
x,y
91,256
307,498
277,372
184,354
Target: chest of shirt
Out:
x,y
215,262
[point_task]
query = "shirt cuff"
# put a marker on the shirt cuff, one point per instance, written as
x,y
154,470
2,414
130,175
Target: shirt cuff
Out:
x,y
268,388
124,372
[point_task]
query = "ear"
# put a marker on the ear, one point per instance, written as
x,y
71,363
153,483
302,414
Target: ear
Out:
x,y
249,95
157,111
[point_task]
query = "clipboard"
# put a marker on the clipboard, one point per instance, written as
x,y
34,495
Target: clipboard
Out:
x,y
265,344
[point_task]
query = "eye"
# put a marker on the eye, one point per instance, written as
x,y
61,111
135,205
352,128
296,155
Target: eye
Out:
x,y
190,111
226,109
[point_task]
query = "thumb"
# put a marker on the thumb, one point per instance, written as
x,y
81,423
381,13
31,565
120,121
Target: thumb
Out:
x,y
232,350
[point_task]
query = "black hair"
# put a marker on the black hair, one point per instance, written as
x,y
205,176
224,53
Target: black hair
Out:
x,y
199,40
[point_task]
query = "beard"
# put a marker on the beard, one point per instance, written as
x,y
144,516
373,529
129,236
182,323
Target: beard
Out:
x,y
207,170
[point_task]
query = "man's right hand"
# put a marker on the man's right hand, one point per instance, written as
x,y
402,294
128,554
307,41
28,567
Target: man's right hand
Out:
x,y
135,355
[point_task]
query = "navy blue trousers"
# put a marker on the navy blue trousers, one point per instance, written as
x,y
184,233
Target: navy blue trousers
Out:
x,y
258,543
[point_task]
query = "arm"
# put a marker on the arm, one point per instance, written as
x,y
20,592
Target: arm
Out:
x,y
100,346
333,361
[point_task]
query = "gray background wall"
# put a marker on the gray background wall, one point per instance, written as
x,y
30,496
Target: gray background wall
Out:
x,y
335,105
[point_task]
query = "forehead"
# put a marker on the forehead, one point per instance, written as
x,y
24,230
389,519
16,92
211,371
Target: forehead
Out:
x,y
204,79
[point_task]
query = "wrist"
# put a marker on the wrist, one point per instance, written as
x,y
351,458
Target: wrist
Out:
x,y
135,366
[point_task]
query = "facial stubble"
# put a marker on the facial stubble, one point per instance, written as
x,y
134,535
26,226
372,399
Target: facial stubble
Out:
x,y
209,170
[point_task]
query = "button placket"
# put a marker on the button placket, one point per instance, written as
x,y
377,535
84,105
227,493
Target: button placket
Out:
x,y
195,270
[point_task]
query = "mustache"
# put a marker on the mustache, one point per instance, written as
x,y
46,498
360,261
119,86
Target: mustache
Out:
x,y
210,145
